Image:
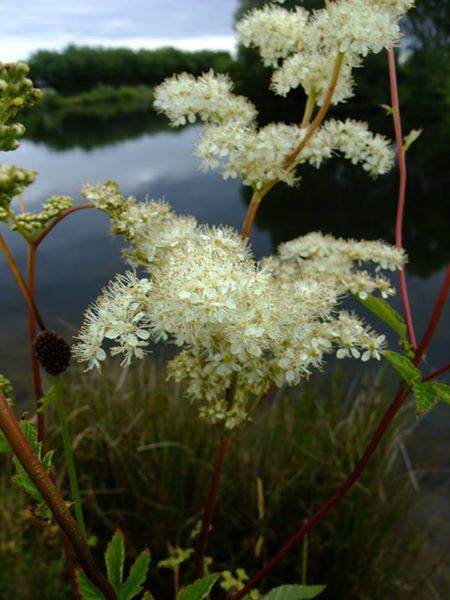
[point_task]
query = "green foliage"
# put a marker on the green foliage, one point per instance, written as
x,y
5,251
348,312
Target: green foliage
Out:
x,y
410,138
21,477
16,92
115,559
199,589
384,311
426,394
48,399
81,68
294,592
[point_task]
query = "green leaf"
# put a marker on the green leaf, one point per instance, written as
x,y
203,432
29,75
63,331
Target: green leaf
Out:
x,y
411,138
115,558
199,589
4,444
21,477
135,580
294,592
424,396
87,589
442,391
429,393
384,311
49,398
404,366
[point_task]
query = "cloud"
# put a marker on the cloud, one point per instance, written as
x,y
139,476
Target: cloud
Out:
x,y
185,24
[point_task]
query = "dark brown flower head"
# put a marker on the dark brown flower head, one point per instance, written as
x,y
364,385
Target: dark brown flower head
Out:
x,y
52,351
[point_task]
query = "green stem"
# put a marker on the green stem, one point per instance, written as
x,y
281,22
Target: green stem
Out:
x,y
75,490
309,107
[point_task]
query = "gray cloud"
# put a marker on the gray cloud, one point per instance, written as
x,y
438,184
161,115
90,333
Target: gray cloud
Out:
x,y
135,23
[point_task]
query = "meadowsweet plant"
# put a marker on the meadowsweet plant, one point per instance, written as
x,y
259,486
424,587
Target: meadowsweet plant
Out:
x,y
241,326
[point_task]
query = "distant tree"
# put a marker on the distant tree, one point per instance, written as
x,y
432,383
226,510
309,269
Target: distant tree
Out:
x,y
81,68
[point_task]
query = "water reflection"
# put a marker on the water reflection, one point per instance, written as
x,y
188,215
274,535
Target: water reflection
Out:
x,y
79,257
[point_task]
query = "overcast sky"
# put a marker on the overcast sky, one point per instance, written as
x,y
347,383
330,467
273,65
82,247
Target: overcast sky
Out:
x,y
29,25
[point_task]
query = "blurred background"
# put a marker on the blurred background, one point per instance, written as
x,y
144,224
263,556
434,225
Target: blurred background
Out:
x,y
97,65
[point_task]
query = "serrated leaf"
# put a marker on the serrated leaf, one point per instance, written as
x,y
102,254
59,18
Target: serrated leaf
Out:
x,y
87,589
21,477
294,592
115,558
424,395
199,589
429,393
4,444
442,391
411,138
384,311
49,398
136,579
404,366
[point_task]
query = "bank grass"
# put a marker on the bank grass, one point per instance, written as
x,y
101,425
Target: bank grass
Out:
x,y
144,461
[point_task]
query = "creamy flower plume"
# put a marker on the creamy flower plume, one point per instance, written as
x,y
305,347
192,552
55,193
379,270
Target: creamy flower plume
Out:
x,y
237,322
183,98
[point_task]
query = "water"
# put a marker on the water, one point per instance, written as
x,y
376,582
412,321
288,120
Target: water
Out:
x,y
79,256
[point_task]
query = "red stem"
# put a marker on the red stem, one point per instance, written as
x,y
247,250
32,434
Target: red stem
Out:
x,y
32,332
209,508
62,215
437,372
436,315
401,192
50,493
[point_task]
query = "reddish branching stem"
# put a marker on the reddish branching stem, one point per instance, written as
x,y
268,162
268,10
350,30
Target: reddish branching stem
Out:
x,y
32,332
401,192
56,503
436,315
209,508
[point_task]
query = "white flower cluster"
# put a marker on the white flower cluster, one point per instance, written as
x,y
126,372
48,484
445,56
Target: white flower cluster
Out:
x,y
183,97
258,156
150,227
275,31
308,42
357,143
241,326
118,314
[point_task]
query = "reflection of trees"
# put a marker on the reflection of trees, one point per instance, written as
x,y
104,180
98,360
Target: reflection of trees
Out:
x,y
62,130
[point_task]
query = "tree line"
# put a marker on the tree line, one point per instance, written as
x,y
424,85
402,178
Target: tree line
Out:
x,y
81,68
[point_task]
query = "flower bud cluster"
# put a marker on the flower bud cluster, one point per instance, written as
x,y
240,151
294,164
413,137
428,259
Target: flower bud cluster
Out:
x,y
31,224
239,324
13,180
16,92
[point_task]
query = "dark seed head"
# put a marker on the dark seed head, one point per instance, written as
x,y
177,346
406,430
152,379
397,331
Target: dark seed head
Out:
x,y
52,351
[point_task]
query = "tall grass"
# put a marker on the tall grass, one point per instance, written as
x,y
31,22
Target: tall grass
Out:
x,y
145,460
